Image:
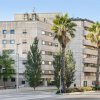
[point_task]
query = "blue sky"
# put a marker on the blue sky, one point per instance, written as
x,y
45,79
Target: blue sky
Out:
x,y
89,9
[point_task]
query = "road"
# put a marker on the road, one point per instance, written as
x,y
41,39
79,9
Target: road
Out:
x,y
47,96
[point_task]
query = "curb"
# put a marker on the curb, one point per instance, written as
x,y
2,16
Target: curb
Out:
x,y
78,93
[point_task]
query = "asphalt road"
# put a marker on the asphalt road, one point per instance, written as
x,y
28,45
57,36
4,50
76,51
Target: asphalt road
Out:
x,y
69,99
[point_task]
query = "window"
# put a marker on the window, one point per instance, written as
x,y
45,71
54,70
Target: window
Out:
x,y
12,41
43,52
10,51
24,62
24,42
50,62
24,31
23,82
4,31
56,45
24,52
12,31
43,42
50,43
5,79
12,79
85,83
4,41
43,32
50,34
46,63
43,62
93,82
13,61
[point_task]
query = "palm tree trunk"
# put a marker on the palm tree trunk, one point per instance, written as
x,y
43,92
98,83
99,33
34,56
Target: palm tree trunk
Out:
x,y
63,70
98,65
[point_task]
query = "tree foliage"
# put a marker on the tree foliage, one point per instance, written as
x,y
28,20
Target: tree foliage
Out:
x,y
6,68
57,67
69,68
63,29
33,66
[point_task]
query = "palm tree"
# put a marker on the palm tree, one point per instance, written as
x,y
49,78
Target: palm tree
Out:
x,y
94,37
63,28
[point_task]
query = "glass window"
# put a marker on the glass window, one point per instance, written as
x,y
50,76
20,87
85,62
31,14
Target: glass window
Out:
x,y
24,32
10,51
24,52
43,42
24,62
23,82
5,79
50,43
43,32
24,42
13,61
12,79
43,62
4,41
50,34
12,41
50,62
56,45
4,31
43,52
12,31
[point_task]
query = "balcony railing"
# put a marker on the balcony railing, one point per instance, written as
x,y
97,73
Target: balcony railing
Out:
x,y
90,60
87,42
89,69
89,51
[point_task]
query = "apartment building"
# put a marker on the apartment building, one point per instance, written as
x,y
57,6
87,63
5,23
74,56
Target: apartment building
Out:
x,y
17,36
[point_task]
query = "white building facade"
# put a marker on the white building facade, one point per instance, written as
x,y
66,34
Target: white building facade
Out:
x,y
26,27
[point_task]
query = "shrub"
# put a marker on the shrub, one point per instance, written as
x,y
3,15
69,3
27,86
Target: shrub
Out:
x,y
86,89
96,88
69,90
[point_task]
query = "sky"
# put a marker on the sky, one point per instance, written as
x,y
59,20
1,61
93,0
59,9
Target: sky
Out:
x,y
89,9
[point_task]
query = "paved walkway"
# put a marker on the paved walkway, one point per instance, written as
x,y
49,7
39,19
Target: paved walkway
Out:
x,y
27,93
42,93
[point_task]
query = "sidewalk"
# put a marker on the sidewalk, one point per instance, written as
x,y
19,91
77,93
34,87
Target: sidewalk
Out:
x,y
29,89
44,90
83,93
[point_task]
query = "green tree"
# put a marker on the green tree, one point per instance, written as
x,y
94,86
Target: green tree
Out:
x,y
57,67
69,68
64,28
6,68
33,66
94,37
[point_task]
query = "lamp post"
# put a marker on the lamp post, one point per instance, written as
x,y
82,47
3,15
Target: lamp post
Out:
x,y
17,67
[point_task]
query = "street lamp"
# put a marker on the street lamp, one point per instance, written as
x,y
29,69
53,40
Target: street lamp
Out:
x,y
17,67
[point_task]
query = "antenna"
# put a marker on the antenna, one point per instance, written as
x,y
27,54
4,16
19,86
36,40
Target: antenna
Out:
x,y
33,9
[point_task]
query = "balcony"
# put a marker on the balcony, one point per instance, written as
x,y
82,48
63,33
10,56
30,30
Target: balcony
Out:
x,y
89,69
89,51
87,42
90,60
